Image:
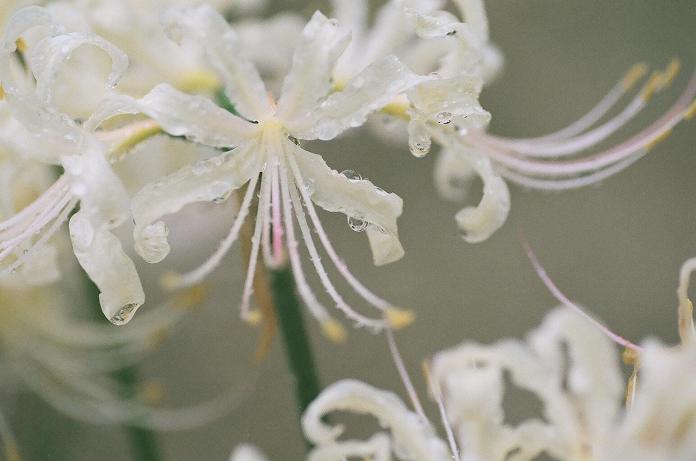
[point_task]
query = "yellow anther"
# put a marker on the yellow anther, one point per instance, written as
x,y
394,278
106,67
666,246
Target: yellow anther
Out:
x,y
630,356
399,318
21,45
170,281
254,317
691,111
158,337
12,451
152,392
652,85
397,108
334,331
199,81
191,297
634,74
670,72
658,139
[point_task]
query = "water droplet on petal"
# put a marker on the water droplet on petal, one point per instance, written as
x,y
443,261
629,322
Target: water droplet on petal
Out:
x,y
419,141
357,224
443,118
124,314
352,175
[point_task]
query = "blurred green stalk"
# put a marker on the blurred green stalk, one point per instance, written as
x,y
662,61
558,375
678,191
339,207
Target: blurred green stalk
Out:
x,y
297,347
144,446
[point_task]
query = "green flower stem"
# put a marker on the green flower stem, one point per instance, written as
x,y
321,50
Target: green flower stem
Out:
x,y
297,346
144,446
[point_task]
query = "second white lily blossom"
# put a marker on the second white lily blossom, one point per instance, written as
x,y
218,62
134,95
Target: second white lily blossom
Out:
x,y
88,180
264,136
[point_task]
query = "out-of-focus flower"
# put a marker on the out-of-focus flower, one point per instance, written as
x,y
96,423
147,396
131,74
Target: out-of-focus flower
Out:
x,y
660,424
570,366
265,139
410,437
134,27
88,180
247,453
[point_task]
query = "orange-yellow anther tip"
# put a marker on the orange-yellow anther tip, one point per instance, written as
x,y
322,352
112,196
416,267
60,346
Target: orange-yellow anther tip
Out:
x,y
634,74
658,139
691,111
670,72
398,318
333,330
653,84
253,317
170,281
21,45
153,392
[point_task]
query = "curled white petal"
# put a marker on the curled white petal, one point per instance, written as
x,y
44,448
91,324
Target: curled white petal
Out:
x,y
370,90
21,21
309,78
479,223
376,448
358,199
453,175
50,54
413,439
243,84
208,180
100,254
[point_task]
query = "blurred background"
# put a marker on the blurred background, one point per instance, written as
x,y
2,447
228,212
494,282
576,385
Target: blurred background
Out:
x,y
616,248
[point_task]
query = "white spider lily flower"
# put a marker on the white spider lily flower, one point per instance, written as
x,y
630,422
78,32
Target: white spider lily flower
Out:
x,y
410,438
264,139
88,179
562,160
569,365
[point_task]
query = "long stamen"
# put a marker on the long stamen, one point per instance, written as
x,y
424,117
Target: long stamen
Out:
x,y
53,194
35,227
435,390
277,223
359,288
558,294
590,118
265,205
572,183
42,240
403,373
197,275
245,311
637,145
376,324
330,326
